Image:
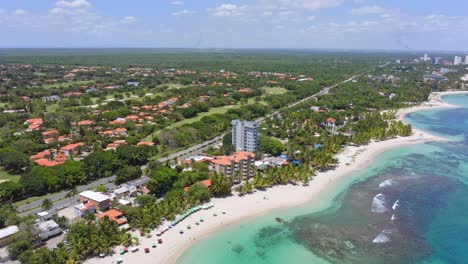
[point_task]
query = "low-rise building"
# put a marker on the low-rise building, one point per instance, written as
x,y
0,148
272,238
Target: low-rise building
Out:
x,y
48,229
8,235
46,215
72,149
115,216
85,208
101,201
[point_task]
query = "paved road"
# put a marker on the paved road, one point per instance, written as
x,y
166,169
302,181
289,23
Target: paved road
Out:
x,y
207,144
108,182
61,200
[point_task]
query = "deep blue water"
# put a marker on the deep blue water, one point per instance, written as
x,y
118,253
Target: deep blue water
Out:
x,y
409,206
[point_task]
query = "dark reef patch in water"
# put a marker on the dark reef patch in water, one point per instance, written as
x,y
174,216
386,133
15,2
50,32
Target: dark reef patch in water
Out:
x,y
358,233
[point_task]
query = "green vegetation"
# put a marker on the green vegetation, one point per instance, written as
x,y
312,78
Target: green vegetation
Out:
x,y
182,98
5,176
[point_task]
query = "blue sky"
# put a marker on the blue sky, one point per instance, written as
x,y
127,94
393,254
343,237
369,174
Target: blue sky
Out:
x,y
337,24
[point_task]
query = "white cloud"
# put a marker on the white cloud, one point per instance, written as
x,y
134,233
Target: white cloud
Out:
x,y
128,20
178,3
19,12
311,5
183,12
73,4
59,11
311,18
368,10
2,11
227,10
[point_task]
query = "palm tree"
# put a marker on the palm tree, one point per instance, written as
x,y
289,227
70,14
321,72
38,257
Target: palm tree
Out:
x,y
73,191
47,204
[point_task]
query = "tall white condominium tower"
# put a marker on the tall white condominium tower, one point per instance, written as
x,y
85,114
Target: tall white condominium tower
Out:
x,y
244,135
426,57
466,60
457,60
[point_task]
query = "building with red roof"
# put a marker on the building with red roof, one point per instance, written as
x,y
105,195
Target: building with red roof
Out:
x,y
72,149
85,123
240,162
47,162
115,216
144,143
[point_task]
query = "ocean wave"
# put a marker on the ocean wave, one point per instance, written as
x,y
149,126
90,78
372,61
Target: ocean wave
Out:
x,y
393,218
395,205
383,237
378,204
386,183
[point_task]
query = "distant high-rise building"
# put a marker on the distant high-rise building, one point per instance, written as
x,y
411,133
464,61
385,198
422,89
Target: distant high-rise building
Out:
x,y
457,60
426,57
244,135
436,60
398,61
466,60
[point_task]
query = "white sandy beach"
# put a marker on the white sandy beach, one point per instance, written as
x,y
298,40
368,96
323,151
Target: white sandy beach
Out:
x,y
250,206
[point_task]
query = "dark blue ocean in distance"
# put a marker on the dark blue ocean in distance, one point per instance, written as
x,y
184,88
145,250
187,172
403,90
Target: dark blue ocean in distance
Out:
x,y
409,206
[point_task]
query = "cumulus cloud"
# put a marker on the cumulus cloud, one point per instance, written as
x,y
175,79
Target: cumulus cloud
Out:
x,y
73,4
368,10
310,5
227,10
128,20
178,3
19,12
183,12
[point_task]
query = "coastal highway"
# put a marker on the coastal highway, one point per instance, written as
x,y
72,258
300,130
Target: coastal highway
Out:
x,y
61,200
199,148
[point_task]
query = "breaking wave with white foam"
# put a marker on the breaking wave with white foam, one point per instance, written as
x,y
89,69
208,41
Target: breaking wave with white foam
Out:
x,y
386,183
378,204
383,237
396,205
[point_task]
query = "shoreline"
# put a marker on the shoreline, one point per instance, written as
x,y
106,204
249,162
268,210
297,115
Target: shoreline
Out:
x,y
241,209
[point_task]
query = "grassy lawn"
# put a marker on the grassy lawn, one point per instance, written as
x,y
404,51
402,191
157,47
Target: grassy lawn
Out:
x,y
213,110
274,90
66,84
32,199
6,176
172,85
40,74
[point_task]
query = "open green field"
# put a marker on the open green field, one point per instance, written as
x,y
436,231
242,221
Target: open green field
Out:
x,y
9,177
66,84
213,110
173,85
274,90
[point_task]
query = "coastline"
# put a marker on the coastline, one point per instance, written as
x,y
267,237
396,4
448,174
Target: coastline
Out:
x,y
240,209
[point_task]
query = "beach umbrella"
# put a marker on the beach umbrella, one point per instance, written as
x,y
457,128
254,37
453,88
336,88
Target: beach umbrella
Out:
x,y
197,223
153,245
224,212
181,232
188,227
201,220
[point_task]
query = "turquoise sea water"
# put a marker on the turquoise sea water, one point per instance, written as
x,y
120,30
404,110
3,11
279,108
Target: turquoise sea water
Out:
x,y
409,206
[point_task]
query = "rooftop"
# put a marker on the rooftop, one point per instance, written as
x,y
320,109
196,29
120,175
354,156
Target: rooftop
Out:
x,y
8,231
95,196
